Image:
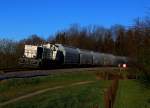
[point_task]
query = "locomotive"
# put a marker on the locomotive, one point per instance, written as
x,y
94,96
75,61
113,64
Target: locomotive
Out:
x,y
48,55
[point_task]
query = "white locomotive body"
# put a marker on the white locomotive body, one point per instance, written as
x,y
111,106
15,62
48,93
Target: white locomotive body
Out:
x,y
30,51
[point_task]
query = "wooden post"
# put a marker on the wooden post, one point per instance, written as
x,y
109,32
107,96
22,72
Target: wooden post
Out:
x,y
110,94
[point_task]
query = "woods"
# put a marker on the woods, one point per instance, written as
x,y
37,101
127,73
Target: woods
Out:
x,y
133,42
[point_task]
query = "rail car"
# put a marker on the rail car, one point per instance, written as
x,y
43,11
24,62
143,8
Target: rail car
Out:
x,y
48,55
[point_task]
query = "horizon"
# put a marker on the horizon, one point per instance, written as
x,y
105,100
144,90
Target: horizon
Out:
x,y
20,19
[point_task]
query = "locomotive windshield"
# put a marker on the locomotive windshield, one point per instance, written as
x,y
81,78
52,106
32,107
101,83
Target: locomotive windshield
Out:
x,y
39,52
44,53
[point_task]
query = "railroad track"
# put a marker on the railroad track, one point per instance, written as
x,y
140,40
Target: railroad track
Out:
x,y
35,73
16,69
21,68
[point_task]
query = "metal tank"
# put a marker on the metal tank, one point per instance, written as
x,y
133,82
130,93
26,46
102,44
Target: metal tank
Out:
x,y
109,59
71,54
86,57
98,58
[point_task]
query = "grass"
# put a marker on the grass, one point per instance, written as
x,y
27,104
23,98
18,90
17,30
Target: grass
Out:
x,y
131,94
16,87
10,89
81,96
86,96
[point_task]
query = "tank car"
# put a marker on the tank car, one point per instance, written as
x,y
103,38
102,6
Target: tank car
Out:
x,y
109,60
85,57
70,54
98,58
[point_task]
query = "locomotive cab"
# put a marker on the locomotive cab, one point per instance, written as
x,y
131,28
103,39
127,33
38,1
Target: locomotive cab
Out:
x,y
43,56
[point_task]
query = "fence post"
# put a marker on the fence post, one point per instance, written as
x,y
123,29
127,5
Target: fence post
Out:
x,y
110,94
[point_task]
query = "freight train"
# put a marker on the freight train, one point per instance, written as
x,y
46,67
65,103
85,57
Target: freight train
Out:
x,y
49,55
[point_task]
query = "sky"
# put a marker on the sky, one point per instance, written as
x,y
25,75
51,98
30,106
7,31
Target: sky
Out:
x,y
22,18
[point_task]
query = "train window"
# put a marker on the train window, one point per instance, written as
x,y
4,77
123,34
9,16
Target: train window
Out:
x,y
54,49
39,52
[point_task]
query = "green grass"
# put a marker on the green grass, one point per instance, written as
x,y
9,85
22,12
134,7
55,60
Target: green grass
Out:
x,y
85,96
81,96
131,94
16,87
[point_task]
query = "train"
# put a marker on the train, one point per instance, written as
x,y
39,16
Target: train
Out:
x,y
49,55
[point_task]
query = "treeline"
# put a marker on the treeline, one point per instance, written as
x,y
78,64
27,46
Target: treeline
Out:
x,y
131,41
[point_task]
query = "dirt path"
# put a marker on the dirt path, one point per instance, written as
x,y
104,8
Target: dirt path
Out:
x,y
43,91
